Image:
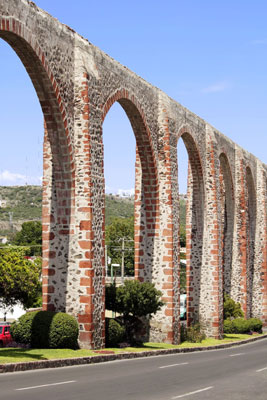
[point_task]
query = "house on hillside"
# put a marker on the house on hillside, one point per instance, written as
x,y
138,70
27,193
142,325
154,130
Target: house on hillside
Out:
x,y
3,203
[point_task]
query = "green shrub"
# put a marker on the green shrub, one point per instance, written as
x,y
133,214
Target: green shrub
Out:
x,y
21,330
63,332
228,326
255,325
241,325
231,309
114,332
46,329
138,299
193,334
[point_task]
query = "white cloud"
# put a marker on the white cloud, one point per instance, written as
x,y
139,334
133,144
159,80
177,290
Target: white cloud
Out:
x,y
13,178
126,192
120,192
217,87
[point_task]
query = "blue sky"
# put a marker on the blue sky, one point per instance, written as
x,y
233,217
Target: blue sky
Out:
x,y
210,56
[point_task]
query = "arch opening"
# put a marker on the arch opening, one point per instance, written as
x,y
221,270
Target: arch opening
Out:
x,y
145,191
227,220
56,198
194,228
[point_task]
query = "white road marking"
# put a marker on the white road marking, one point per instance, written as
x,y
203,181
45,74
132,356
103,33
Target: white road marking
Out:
x,y
173,365
262,369
237,354
191,393
49,384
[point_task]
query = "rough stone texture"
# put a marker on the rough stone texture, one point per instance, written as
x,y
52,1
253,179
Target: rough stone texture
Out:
x,y
226,212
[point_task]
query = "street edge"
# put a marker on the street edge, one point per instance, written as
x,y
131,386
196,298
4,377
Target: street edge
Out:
x,y
67,362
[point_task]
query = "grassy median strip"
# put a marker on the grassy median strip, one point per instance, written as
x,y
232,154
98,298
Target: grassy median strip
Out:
x,y
14,355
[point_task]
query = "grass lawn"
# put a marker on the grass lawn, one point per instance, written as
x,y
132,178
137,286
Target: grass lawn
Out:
x,y
12,355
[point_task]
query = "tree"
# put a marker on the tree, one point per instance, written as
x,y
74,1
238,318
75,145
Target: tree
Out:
x,y
19,278
115,232
134,301
30,235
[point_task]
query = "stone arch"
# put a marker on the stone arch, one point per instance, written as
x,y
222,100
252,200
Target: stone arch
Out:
x,y
146,202
57,166
250,231
227,220
194,225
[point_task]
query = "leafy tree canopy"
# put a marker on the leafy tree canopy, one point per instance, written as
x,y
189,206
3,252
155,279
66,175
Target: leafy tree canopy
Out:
x,y
19,278
134,298
30,234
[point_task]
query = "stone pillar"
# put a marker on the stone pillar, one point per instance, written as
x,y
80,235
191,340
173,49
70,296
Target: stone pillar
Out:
x,y
239,266
259,290
165,325
89,286
211,293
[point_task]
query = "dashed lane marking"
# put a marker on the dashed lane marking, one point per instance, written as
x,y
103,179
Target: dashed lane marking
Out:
x,y
192,393
173,365
48,384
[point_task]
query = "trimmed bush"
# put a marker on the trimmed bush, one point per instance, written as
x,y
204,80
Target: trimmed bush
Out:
x,y
64,332
228,326
114,332
255,325
46,329
241,325
21,330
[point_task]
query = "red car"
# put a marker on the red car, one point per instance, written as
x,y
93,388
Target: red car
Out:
x,y
5,335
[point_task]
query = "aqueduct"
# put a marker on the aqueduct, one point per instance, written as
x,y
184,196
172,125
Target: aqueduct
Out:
x,y
76,84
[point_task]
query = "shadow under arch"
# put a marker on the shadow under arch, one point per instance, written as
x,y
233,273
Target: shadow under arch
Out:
x,y
251,231
227,220
146,216
57,178
194,226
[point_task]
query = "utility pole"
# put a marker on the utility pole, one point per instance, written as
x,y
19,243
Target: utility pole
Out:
x,y
11,220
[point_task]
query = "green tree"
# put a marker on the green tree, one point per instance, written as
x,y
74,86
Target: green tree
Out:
x,y
134,301
19,278
30,235
138,299
115,232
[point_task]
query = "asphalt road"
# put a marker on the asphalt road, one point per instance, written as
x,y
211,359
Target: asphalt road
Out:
x,y
235,373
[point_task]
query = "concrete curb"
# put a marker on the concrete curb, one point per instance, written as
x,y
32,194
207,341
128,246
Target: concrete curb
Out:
x,y
67,362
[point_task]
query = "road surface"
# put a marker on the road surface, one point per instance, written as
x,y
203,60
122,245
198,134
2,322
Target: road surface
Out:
x,y
235,373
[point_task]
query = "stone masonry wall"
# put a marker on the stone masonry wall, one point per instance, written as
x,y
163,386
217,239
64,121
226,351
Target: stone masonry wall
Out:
x,y
76,84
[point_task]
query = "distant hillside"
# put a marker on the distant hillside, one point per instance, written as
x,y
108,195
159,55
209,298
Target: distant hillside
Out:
x,y
118,207
25,204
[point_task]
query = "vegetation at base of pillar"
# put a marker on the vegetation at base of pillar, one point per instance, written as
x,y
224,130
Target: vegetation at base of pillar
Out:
x,y
19,278
242,325
192,334
119,230
231,309
46,329
133,301
234,321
